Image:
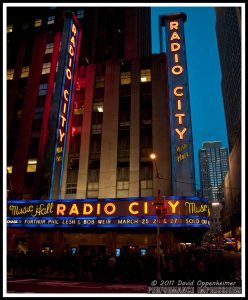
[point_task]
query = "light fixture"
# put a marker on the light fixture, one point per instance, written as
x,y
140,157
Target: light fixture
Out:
x,y
152,155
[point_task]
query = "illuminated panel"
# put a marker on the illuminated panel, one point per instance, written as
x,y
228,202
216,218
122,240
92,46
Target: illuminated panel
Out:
x,y
180,212
181,133
68,63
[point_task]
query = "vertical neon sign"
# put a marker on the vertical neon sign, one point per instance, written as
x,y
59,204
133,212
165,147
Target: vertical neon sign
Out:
x,y
183,174
67,63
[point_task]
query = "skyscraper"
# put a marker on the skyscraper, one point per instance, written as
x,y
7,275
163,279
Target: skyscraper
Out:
x,y
116,33
213,163
228,31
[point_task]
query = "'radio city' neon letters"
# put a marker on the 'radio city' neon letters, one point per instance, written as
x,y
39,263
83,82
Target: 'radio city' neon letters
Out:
x,y
177,70
66,93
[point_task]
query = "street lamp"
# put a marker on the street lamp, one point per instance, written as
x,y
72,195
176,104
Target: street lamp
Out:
x,y
158,205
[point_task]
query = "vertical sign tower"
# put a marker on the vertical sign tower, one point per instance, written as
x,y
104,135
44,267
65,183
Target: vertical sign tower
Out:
x,y
183,174
62,99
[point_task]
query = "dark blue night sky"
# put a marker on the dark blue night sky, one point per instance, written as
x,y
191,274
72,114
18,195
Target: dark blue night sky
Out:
x,y
204,73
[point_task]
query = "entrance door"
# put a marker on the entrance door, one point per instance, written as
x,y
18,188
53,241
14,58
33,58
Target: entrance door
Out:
x,y
94,250
130,249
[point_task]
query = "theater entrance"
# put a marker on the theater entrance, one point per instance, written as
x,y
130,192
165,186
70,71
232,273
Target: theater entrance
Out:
x,y
94,250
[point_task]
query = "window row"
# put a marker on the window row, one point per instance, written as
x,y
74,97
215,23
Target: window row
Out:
x,y
37,23
46,68
122,188
145,76
31,166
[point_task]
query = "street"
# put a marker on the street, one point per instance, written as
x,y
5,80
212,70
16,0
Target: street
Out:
x,y
56,283
236,259
30,285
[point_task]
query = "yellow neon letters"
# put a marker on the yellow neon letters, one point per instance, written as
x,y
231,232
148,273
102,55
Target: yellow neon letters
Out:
x,y
177,70
176,89
180,118
173,25
130,208
175,47
173,206
175,36
181,133
113,208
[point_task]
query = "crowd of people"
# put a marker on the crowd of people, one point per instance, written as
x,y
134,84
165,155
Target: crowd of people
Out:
x,y
187,265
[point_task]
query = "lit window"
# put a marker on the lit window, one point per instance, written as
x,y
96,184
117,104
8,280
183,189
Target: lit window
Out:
x,y
10,74
125,78
145,75
80,14
49,48
93,186
46,68
9,169
122,185
9,28
25,72
50,20
32,164
43,89
99,82
98,107
37,22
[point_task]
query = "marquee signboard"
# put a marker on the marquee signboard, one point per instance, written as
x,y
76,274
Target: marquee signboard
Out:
x,y
180,120
132,212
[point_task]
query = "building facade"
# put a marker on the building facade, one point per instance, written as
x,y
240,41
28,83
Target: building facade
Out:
x,y
228,31
213,165
83,119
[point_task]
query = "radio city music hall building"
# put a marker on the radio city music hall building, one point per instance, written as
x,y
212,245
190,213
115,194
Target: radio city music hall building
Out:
x,y
85,111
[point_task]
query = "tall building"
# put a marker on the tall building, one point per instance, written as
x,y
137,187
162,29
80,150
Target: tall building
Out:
x,y
228,31
87,105
116,33
31,97
213,164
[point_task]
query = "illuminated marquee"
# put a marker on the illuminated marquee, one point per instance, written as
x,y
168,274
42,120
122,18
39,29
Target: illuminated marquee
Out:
x,y
180,120
181,211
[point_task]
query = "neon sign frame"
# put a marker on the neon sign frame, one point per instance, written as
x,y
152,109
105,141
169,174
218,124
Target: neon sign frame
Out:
x,y
183,172
69,64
